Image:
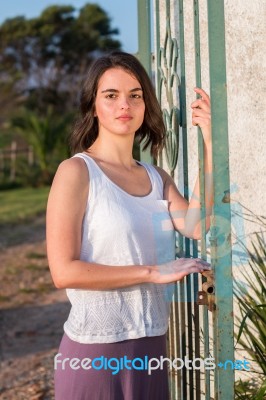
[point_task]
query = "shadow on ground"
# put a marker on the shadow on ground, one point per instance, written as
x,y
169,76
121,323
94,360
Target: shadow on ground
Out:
x,y
40,328
24,232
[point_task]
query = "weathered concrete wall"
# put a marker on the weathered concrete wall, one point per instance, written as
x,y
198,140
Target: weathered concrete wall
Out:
x,y
246,66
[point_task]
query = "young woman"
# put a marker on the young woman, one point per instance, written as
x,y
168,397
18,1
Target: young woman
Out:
x,y
111,224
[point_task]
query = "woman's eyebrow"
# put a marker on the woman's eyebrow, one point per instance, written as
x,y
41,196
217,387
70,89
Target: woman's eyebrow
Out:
x,y
136,89
116,91
109,90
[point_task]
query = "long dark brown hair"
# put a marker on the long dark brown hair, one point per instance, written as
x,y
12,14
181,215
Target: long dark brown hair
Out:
x,y
152,130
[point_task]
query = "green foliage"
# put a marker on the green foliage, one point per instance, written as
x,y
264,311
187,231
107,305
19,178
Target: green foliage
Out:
x,y
251,298
47,136
42,63
54,45
19,205
245,390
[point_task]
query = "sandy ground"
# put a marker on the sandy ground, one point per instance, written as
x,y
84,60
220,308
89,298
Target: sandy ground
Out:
x,y
32,313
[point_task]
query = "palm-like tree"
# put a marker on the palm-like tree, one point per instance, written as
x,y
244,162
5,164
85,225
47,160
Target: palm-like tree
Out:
x,y
47,135
251,322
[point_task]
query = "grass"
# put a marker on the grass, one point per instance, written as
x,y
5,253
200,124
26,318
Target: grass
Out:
x,y
28,290
11,271
4,298
41,288
35,267
35,255
19,205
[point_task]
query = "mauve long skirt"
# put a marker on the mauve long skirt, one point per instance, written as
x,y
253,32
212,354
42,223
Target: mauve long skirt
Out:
x,y
93,384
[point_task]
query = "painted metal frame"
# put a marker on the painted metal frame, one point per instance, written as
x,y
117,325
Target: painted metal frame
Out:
x,y
221,250
144,52
189,323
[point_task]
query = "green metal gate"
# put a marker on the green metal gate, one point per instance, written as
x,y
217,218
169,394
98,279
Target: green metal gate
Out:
x,y
201,324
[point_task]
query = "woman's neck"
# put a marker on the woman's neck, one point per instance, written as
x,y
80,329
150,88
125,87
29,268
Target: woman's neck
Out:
x,y
116,152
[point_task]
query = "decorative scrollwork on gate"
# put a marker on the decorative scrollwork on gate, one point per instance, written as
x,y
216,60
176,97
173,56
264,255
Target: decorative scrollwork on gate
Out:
x,y
168,82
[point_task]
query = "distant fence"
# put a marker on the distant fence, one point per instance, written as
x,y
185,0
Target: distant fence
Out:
x,y
9,160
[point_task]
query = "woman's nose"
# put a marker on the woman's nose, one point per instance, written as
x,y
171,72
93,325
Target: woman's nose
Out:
x,y
124,103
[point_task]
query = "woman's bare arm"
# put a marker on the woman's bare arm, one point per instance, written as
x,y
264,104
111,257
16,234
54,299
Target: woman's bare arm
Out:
x,y
65,210
186,216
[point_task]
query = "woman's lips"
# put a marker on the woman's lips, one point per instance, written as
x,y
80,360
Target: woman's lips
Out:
x,y
124,117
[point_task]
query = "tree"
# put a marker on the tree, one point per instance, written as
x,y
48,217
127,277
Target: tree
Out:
x,y
48,55
47,136
42,62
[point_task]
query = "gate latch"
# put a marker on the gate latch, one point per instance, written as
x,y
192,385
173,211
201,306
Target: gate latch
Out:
x,y
206,295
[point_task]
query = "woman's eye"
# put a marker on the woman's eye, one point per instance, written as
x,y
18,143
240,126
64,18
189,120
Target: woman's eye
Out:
x,y
132,96
136,96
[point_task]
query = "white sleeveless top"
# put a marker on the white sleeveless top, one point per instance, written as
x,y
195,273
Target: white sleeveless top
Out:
x,y
121,229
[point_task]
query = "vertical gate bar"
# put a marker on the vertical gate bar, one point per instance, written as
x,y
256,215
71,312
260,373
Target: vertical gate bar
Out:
x,y
176,340
144,34
188,286
190,335
144,51
171,348
180,330
206,351
189,297
221,220
176,321
180,284
202,195
178,355
200,138
182,93
196,323
183,337
158,46
178,376
183,118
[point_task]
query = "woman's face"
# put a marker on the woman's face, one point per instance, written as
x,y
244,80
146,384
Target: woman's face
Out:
x,y
119,104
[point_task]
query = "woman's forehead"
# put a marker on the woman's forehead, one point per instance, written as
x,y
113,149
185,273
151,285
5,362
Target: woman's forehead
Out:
x,y
118,78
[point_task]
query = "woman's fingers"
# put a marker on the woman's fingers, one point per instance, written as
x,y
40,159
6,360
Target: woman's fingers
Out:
x,y
203,94
200,104
201,111
203,262
187,262
178,269
200,121
202,114
201,265
198,112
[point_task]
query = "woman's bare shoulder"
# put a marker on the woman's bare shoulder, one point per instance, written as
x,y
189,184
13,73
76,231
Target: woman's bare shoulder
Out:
x,y
171,191
164,175
73,170
71,180
73,165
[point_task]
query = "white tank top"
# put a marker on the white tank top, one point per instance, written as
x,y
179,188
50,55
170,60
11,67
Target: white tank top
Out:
x,y
122,229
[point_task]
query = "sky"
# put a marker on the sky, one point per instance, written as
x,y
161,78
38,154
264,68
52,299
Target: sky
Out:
x,y
123,15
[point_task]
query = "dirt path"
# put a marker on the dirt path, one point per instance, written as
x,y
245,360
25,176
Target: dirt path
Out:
x,y
32,313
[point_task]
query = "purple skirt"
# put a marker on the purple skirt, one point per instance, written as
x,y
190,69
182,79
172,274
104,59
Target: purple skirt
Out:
x,y
112,371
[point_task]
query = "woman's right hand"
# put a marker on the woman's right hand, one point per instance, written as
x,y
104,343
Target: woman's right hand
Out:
x,y
178,269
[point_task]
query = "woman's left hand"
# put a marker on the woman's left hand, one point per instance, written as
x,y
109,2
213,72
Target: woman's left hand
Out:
x,y
201,114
